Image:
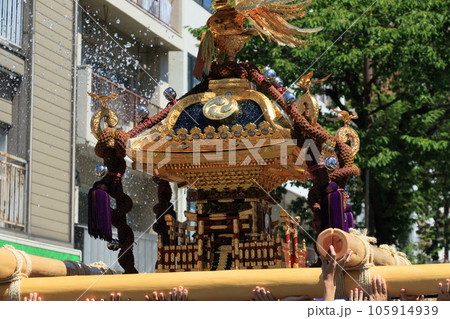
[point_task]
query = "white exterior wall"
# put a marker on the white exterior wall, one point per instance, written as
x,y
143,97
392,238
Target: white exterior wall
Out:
x,y
83,105
193,16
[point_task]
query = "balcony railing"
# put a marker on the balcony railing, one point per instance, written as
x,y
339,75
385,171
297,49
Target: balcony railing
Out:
x,y
13,171
95,250
161,9
127,102
11,21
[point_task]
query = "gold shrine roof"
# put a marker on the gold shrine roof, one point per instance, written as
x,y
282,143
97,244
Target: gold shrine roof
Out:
x,y
233,136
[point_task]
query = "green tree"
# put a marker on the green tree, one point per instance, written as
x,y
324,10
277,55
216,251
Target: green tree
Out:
x,y
391,66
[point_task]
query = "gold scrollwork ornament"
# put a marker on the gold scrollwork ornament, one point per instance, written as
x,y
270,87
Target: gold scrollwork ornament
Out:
x,y
346,134
109,116
220,108
307,104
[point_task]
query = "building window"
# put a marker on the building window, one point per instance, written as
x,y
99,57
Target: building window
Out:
x,y
3,138
11,16
205,4
9,84
162,9
192,81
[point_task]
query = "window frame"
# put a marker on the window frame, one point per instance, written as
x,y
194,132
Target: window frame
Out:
x,y
205,6
4,129
11,22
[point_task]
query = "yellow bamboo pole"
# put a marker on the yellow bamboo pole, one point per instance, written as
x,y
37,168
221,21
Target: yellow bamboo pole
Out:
x,y
41,266
416,279
342,241
227,285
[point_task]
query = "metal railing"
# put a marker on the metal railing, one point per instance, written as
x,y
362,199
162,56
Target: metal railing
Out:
x,y
161,9
127,102
13,172
11,12
93,250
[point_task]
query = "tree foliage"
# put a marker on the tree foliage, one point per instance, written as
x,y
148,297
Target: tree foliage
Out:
x,y
390,64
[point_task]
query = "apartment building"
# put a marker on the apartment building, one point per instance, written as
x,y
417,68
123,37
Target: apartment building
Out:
x,y
51,54
37,127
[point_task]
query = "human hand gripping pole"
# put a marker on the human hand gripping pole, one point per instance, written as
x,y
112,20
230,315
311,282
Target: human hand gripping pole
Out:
x,y
331,269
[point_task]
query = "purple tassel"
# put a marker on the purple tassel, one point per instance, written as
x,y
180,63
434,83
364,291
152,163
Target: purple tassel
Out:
x,y
348,215
332,207
99,214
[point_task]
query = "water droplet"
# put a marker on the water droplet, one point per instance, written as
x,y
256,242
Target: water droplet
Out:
x,y
118,21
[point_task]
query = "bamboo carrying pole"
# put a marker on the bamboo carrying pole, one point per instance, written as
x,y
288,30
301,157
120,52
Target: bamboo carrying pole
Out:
x,y
342,241
228,285
42,267
45,267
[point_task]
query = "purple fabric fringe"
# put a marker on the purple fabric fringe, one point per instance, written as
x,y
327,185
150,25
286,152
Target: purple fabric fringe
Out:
x,y
99,214
332,207
348,215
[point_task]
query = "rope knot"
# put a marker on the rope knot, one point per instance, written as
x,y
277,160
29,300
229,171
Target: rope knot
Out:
x,y
363,235
17,275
